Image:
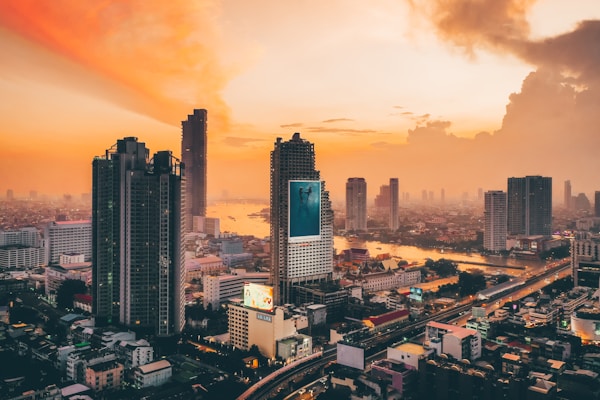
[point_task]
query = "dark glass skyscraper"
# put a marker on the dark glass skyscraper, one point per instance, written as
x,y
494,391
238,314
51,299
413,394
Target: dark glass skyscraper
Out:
x,y
530,206
301,219
193,156
137,253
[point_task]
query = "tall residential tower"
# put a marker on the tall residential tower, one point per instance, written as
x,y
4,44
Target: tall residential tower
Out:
x,y
494,234
193,157
356,204
530,206
301,219
137,255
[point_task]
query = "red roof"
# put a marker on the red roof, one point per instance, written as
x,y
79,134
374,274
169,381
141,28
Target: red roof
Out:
x,y
387,317
84,298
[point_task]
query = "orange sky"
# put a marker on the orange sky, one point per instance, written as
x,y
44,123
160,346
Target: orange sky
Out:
x,y
441,94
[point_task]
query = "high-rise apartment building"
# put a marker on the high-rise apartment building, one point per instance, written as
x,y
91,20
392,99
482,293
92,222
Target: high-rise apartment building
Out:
x,y
567,194
585,259
301,219
394,224
356,204
137,251
494,233
193,157
63,237
597,203
530,206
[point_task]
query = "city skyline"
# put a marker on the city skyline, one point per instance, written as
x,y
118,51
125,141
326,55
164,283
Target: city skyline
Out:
x,y
382,91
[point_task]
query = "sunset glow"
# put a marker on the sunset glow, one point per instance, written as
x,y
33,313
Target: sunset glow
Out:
x,y
441,94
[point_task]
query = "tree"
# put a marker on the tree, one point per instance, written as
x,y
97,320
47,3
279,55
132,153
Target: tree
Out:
x,y
442,267
470,283
66,291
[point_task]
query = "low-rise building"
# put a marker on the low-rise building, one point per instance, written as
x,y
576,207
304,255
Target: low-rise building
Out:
x,y
460,343
410,354
104,375
197,268
294,347
153,374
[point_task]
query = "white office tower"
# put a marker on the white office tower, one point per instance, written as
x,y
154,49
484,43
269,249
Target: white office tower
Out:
x,y
301,219
495,229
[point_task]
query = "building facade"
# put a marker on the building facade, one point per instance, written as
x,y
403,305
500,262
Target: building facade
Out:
x,y
394,188
585,259
567,195
248,326
301,219
137,250
221,288
529,206
153,374
356,204
193,156
64,237
22,248
494,234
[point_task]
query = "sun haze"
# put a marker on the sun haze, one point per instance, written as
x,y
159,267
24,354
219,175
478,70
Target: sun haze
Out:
x,y
441,94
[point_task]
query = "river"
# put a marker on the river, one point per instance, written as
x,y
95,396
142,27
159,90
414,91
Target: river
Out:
x,y
235,218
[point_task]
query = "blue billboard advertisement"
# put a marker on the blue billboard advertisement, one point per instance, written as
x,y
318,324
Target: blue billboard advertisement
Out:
x,y
304,219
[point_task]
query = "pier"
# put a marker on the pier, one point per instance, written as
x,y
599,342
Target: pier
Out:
x,y
484,264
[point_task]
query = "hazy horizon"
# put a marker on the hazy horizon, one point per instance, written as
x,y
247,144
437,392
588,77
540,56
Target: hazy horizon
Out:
x,y
433,93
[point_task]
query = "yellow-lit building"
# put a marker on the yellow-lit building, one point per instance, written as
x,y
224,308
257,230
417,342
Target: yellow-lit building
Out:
x,y
263,328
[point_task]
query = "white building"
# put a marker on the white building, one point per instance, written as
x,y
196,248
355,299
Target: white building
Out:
x,y
248,326
458,342
153,374
294,347
495,222
134,353
18,256
409,354
22,248
64,237
197,268
221,288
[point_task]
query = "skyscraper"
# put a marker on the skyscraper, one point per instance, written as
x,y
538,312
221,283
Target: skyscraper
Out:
x,y
193,157
301,219
597,203
530,206
137,253
356,204
494,233
567,194
394,225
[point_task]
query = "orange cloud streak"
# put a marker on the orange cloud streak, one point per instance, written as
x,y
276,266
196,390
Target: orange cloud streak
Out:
x,y
160,55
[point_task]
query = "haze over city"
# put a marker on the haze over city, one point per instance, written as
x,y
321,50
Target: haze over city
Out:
x,y
435,93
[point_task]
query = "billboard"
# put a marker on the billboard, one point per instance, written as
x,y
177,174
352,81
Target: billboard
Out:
x,y
304,215
258,296
350,356
416,294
